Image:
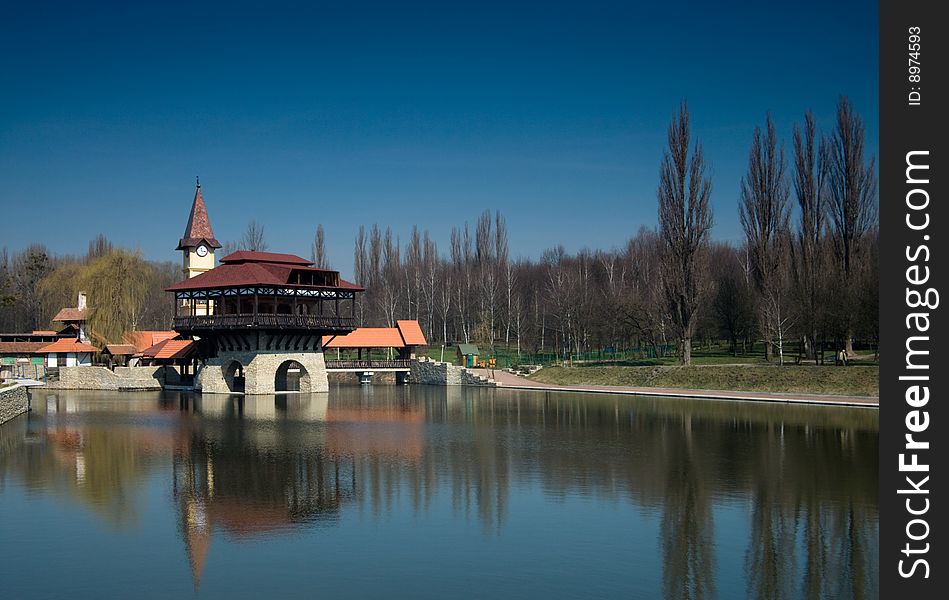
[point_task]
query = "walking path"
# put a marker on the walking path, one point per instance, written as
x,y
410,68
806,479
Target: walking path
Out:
x,y
510,380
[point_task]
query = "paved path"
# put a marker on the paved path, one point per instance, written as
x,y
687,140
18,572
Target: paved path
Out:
x,y
514,381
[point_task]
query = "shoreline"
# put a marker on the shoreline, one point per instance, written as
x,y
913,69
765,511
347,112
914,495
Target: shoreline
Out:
x,y
509,380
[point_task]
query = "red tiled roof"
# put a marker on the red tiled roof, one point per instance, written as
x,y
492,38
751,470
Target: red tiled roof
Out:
x,y
145,339
121,349
411,332
66,345
366,337
169,349
230,274
198,230
73,314
22,347
242,256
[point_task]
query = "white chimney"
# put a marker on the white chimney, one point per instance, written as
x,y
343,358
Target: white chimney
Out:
x,y
82,301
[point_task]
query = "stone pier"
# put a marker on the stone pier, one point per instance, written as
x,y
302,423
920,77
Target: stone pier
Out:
x,y
13,401
261,372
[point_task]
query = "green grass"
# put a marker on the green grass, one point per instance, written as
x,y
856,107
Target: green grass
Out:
x,y
805,379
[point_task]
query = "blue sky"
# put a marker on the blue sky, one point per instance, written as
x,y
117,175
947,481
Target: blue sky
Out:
x,y
397,114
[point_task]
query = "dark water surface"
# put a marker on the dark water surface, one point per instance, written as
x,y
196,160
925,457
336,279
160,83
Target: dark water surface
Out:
x,y
426,492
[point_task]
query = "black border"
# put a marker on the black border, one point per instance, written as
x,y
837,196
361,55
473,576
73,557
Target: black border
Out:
x,y
905,128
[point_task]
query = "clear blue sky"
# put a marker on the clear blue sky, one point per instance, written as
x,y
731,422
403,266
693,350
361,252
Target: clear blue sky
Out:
x,y
397,113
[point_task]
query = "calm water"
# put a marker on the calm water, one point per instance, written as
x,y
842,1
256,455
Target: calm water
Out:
x,y
426,492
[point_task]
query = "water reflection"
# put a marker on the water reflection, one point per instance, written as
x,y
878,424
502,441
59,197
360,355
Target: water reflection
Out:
x,y
802,479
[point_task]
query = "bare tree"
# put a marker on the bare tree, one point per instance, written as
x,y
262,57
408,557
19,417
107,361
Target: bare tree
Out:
x,y
764,214
99,246
852,206
29,268
810,187
253,238
319,249
361,272
733,301
685,219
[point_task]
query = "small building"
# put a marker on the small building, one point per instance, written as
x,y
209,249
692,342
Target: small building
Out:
x,y
68,352
21,354
141,339
21,359
119,355
169,352
404,338
468,355
75,320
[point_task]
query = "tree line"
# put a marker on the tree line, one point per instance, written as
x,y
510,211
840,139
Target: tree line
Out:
x,y
126,291
804,277
809,282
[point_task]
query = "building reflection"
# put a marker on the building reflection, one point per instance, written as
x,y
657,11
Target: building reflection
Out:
x,y
265,466
246,483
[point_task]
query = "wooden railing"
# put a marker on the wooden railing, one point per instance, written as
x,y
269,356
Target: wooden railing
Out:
x,y
368,364
259,321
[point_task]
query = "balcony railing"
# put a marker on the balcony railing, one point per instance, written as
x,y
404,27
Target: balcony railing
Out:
x,y
368,364
265,321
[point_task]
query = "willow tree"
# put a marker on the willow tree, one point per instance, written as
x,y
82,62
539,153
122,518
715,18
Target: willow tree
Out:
x,y
685,219
117,285
61,287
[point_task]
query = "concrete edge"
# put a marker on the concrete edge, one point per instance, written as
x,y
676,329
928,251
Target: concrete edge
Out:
x,y
708,395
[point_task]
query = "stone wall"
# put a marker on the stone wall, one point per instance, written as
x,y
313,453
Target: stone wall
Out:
x,y
13,402
432,372
101,378
348,377
260,371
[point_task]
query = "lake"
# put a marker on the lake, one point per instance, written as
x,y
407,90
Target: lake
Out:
x,y
432,492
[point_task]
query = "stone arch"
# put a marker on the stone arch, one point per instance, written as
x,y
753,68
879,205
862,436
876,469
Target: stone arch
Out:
x,y
233,373
291,376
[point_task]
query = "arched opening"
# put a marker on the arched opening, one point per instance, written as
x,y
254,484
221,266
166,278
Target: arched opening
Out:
x,y
291,377
234,376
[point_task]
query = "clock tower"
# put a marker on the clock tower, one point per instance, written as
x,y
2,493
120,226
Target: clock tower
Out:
x,y
198,244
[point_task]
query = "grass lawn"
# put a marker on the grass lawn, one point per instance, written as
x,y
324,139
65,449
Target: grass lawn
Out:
x,y
806,379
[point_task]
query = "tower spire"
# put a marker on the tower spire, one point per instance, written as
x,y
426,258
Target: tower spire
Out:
x,y
198,231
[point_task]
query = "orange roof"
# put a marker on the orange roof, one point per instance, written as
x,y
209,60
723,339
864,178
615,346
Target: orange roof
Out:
x,y
43,332
72,314
146,339
22,347
411,333
366,337
169,349
120,349
66,345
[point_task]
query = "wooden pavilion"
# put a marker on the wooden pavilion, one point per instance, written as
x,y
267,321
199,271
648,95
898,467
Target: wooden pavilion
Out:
x,y
258,311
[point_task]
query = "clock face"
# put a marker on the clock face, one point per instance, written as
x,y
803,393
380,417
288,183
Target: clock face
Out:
x,y
202,250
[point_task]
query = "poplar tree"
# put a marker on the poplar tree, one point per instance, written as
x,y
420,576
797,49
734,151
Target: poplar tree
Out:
x,y
685,219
